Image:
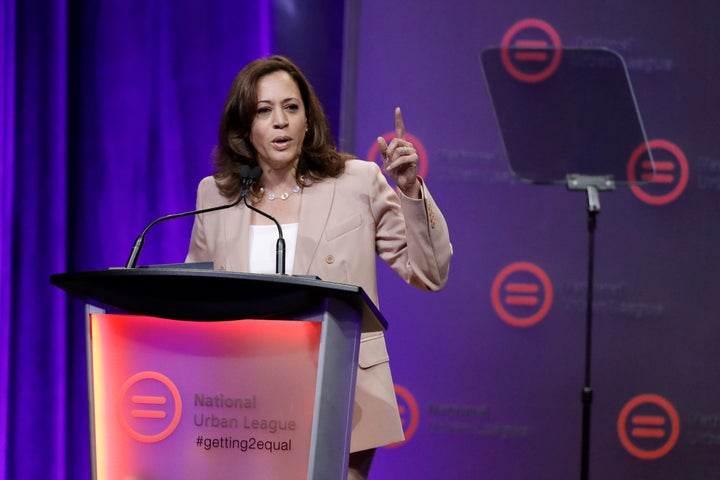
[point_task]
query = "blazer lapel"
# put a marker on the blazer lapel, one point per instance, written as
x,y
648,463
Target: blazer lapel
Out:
x,y
315,209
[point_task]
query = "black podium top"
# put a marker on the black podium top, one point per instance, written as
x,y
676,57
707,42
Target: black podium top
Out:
x,y
193,294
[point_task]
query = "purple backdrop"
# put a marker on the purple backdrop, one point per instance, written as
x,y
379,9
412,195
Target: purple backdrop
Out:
x,y
496,385
109,114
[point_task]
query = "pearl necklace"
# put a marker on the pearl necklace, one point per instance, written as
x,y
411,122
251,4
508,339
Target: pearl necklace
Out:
x,y
283,196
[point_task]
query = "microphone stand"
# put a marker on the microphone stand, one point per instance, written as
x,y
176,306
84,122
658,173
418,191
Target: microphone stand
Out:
x,y
280,246
247,178
140,241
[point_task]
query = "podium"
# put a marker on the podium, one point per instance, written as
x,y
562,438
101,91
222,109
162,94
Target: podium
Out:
x,y
209,374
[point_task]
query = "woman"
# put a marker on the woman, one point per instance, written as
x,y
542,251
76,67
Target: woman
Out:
x,y
337,214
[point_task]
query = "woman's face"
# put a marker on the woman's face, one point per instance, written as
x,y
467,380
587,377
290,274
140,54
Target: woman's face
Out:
x,y
279,127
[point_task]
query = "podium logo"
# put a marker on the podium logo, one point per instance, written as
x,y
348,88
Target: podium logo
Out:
x,y
648,426
150,407
667,181
409,413
522,294
531,50
374,152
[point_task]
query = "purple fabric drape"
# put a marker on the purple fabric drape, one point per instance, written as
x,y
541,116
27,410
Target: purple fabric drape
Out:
x,y
156,75
109,114
36,169
109,123
7,125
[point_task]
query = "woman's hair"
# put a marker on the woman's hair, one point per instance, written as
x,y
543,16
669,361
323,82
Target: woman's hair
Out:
x,y
319,158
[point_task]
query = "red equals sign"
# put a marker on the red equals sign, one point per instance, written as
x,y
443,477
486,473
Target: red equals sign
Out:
x,y
648,426
529,55
149,400
653,174
525,294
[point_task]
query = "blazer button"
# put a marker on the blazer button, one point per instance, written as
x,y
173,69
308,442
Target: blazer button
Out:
x,y
330,259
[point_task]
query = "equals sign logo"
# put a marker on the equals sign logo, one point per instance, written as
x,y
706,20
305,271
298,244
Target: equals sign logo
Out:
x,y
522,294
656,433
529,55
647,426
661,173
147,400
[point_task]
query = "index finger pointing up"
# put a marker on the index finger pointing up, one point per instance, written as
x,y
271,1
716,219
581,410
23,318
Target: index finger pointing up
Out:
x,y
399,125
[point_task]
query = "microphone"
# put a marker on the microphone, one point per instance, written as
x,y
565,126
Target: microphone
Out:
x,y
280,246
247,179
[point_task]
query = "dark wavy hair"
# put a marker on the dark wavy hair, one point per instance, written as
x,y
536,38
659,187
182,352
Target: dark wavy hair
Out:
x,y
319,157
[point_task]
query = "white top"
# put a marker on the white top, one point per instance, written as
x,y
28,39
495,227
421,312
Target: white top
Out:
x,y
263,247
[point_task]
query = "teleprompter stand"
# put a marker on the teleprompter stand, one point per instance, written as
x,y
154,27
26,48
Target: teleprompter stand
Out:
x,y
592,185
568,116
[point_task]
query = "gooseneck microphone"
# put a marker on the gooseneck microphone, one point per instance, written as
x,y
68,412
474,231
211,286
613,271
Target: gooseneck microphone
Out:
x,y
247,178
280,246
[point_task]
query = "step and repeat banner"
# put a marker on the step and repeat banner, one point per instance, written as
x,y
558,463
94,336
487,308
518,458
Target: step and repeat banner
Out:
x,y
489,373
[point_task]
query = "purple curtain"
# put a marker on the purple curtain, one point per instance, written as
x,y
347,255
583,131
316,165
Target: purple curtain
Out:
x,y
34,215
7,126
109,113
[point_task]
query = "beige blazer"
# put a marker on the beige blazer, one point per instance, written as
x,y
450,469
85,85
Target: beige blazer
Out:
x,y
344,223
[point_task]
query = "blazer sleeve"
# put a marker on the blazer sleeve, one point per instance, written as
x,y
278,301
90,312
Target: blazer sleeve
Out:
x,y
412,236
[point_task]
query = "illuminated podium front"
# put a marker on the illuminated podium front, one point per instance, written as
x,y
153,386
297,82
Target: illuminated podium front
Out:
x,y
208,374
